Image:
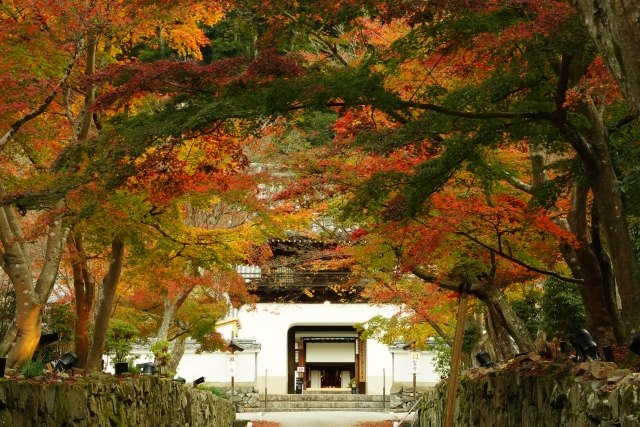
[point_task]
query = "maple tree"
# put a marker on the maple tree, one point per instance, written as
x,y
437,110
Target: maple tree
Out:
x,y
49,120
487,138
194,285
493,78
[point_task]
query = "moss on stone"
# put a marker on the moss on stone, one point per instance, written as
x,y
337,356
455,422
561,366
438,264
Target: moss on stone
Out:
x,y
139,401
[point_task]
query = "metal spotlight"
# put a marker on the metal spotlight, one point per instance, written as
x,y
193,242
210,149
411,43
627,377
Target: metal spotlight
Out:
x,y
148,368
3,364
198,381
66,362
635,345
586,347
484,359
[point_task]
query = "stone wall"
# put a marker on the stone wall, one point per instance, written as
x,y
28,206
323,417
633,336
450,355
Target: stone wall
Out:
x,y
588,394
105,400
243,397
401,397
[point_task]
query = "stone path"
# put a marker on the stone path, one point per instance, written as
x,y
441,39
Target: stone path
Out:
x,y
320,418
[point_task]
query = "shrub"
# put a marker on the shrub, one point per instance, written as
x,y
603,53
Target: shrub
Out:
x,y
562,309
528,308
442,358
32,368
120,338
215,390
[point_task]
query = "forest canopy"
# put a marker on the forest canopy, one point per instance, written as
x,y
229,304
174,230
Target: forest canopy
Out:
x,y
489,147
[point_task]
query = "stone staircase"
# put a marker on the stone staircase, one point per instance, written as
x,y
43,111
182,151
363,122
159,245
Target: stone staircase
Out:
x,y
322,401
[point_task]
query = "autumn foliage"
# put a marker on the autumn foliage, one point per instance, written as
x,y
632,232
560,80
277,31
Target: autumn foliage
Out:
x,y
440,143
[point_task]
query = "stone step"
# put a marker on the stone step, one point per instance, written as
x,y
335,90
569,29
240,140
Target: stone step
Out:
x,y
322,402
253,410
328,391
325,397
324,405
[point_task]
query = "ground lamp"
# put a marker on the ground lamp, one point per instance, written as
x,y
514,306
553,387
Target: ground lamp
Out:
x,y
66,362
635,345
3,364
607,351
585,346
484,359
198,381
121,368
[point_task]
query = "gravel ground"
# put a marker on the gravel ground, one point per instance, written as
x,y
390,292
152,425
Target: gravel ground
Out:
x,y
320,418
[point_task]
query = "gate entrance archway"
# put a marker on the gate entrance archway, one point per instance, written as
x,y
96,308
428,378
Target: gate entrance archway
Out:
x,y
325,357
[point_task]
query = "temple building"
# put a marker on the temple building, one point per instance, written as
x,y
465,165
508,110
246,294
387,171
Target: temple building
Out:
x,y
303,335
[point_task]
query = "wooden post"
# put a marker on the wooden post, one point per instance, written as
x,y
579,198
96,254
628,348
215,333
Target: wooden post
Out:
x,y
384,392
455,362
414,387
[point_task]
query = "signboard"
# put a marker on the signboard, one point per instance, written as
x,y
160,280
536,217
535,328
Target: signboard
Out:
x,y
231,363
414,361
301,369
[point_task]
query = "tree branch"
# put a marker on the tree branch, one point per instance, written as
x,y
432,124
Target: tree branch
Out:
x,y
15,126
56,238
622,122
479,115
517,261
518,184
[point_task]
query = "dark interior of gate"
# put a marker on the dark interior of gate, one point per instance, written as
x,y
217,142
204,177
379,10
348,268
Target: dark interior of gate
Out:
x,y
325,358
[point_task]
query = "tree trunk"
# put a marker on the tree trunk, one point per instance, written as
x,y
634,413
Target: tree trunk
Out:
x,y
170,309
585,265
583,261
504,315
89,97
502,346
608,279
177,351
23,335
83,285
84,289
490,295
109,286
596,158
593,150
613,25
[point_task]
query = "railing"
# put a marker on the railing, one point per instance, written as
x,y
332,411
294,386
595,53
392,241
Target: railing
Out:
x,y
398,423
295,279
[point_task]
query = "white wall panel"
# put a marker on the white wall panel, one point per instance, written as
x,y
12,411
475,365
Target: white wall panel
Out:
x,y
331,352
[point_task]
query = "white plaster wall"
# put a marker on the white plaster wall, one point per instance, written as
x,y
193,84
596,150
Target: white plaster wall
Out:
x,y
330,352
212,366
378,364
269,323
425,376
